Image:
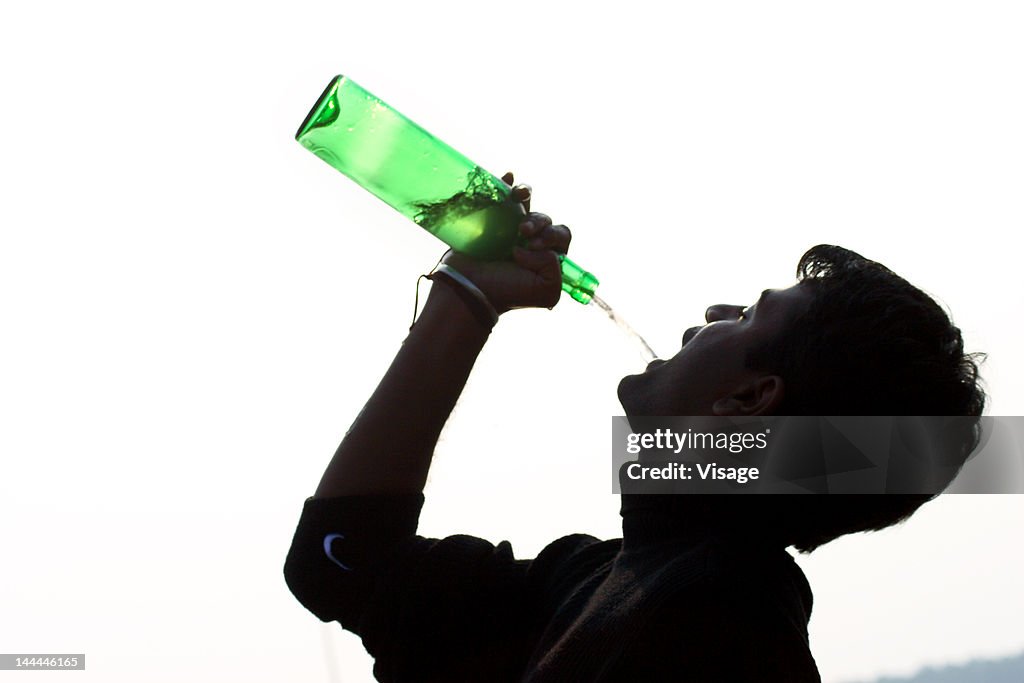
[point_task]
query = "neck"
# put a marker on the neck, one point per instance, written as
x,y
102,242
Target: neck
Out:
x,y
652,518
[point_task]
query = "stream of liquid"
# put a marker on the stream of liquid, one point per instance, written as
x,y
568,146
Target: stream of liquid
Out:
x,y
645,349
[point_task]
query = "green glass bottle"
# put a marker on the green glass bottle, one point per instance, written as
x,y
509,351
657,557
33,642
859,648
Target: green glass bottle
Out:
x,y
426,180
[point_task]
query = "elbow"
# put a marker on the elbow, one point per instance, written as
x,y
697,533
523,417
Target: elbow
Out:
x,y
323,584
307,582
337,550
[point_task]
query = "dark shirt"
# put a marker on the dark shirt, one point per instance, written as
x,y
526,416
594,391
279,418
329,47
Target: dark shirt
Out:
x,y
674,600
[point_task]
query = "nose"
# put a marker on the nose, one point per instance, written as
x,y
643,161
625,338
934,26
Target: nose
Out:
x,y
722,312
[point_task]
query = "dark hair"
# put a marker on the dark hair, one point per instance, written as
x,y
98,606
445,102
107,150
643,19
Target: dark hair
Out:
x,y
869,343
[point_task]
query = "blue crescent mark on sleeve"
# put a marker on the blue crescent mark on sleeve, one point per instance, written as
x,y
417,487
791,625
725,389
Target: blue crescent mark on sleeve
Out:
x,y
328,539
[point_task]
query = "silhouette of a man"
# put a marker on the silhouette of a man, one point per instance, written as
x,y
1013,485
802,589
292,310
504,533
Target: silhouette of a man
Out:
x,y
700,588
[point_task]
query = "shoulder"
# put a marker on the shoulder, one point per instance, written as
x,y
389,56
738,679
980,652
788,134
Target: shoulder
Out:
x,y
576,551
756,600
742,616
569,561
766,577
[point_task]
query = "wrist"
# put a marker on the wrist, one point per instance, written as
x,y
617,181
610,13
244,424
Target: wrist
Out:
x,y
445,312
473,299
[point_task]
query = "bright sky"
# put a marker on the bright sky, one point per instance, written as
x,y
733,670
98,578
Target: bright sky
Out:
x,y
195,307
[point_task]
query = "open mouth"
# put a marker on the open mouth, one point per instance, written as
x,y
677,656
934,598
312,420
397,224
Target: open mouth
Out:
x,y
655,363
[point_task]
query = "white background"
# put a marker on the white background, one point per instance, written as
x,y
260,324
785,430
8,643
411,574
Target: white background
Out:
x,y
194,307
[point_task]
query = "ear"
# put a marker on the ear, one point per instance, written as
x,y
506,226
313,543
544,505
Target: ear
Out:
x,y
761,396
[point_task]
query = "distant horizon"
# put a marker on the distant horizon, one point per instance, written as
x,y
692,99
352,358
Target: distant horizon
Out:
x,y
932,673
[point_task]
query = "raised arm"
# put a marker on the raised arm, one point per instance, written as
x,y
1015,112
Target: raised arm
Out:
x,y
388,448
355,557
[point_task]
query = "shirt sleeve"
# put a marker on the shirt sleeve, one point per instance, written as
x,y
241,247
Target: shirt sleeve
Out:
x,y
338,546
455,608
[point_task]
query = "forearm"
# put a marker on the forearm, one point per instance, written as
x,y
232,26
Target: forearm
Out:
x,y
389,446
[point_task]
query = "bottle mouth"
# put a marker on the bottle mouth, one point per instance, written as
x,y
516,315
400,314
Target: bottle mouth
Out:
x,y
579,284
325,110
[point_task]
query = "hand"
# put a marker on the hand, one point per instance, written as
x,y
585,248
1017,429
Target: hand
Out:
x,y
533,278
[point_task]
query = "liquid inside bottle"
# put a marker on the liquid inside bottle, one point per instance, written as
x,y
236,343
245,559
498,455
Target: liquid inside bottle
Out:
x,y
425,179
480,220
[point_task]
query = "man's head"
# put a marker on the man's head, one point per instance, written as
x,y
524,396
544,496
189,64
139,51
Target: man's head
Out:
x,y
711,374
850,338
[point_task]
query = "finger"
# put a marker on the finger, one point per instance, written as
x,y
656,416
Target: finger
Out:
x,y
536,261
522,193
553,237
534,224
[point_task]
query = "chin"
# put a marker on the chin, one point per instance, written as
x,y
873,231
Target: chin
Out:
x,y
631,395
623,393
